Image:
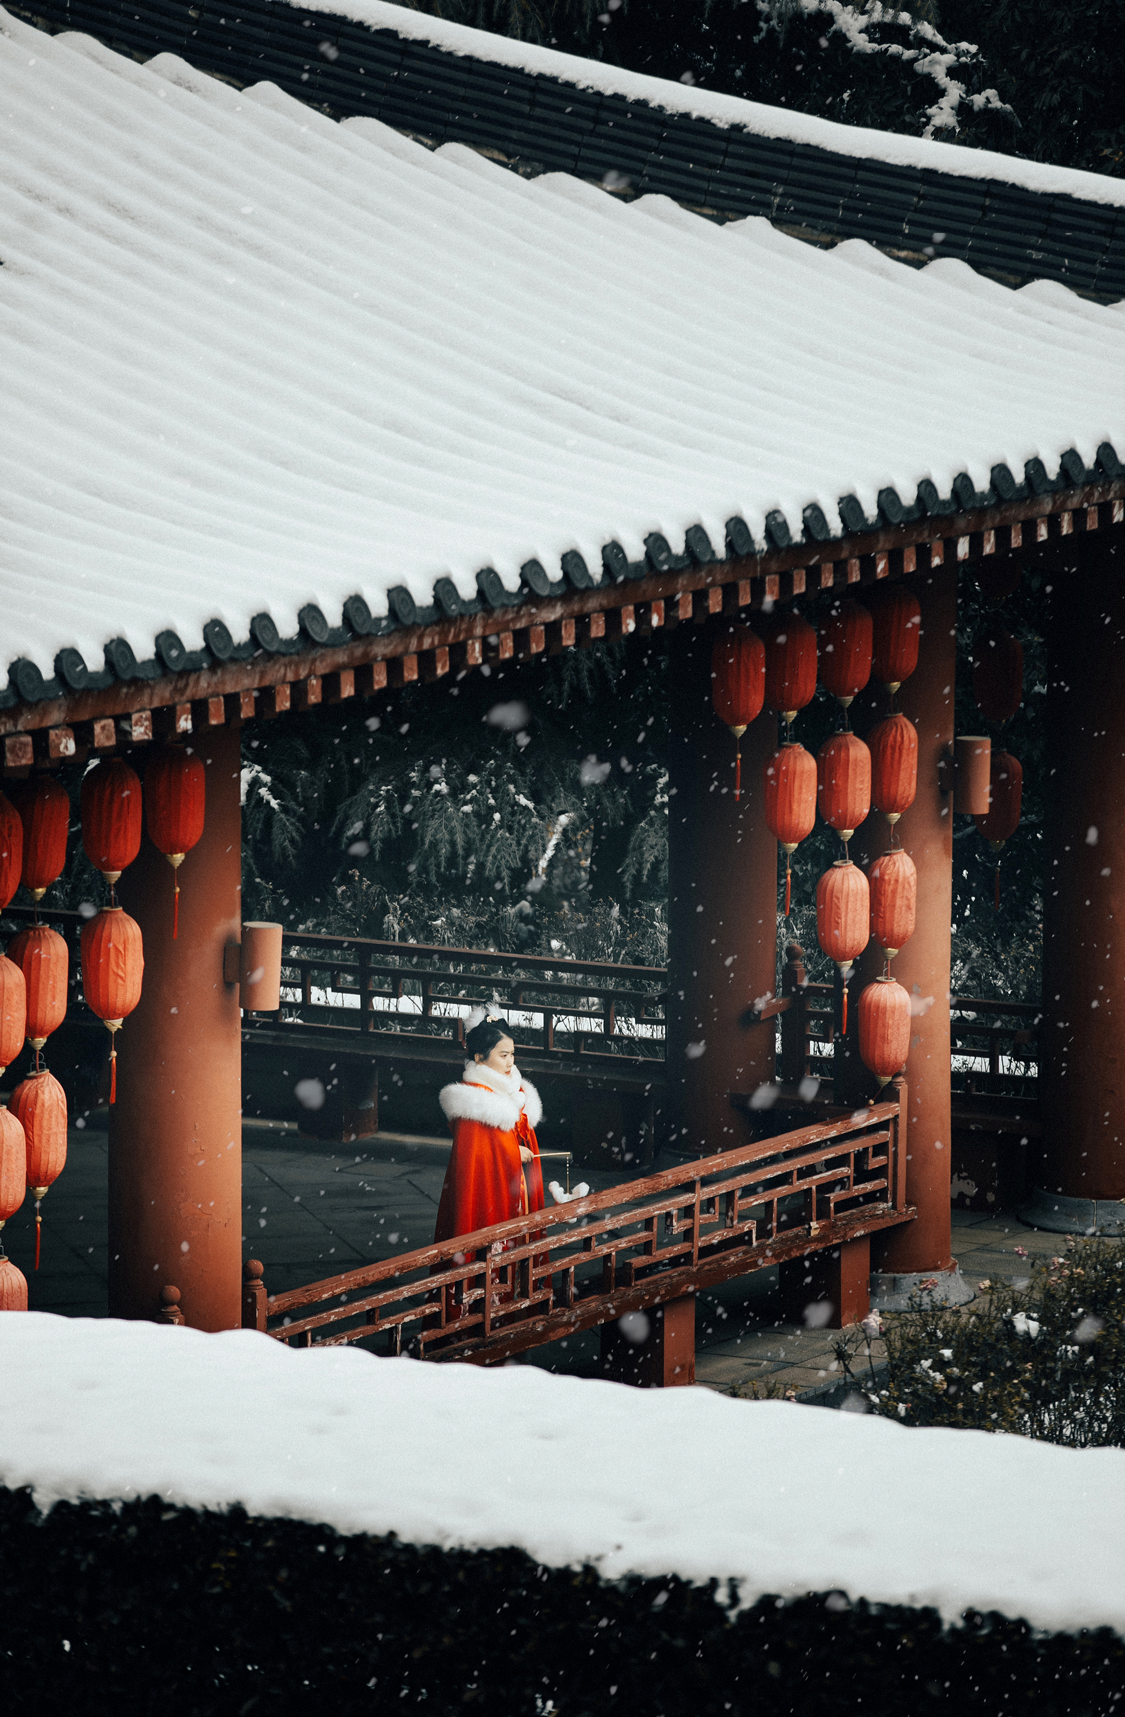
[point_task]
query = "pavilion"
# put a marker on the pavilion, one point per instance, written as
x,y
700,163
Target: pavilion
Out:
x,y
302,401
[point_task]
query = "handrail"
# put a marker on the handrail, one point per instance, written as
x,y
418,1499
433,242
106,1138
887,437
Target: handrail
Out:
x,y
519,1283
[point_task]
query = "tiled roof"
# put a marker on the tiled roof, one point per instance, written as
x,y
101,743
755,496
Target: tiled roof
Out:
x,y
546,111
270,379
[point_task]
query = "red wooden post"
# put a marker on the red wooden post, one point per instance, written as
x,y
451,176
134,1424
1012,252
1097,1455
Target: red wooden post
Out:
x,y
175,1132
836,1278
1081,1183
722,915
794,1028
661,1358
921,1249
254,1298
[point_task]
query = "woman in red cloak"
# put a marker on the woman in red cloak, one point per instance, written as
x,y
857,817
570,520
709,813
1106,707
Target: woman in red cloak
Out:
x,y
494,1170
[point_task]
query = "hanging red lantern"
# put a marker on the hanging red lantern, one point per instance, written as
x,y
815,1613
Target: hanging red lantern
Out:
x,y
11,850
893,745
13,1011
13,1166
884,1028
113,965
790,802
738,686
844,650
41,954
44,812
894,900
111,817
1005,801
843,771
896,618
175,793
843,919
39,1105
790,663
998,674
13,1191
999,577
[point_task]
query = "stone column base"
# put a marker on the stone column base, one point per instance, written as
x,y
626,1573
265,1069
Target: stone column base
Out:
x,y
893,1293
1057,1214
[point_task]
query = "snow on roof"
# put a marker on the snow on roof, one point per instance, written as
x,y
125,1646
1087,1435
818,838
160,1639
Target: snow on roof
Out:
x,y
255,359
724,110
825,1500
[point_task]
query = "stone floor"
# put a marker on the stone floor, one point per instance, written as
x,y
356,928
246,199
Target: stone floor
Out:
x,y
312,1210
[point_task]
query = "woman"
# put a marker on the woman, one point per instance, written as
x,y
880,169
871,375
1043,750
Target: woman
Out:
x,y
494,1168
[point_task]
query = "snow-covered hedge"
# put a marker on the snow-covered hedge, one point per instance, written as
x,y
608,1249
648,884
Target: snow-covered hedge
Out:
x,y
520,1542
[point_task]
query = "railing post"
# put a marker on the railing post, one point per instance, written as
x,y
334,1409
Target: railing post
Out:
x,y
170,1312
898,1093
794,1038
254,1297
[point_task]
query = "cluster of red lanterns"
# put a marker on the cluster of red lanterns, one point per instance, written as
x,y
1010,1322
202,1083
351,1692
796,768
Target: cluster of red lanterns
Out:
x,y
777,666
34,974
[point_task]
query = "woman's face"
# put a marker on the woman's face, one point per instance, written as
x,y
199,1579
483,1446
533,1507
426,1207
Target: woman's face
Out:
x,y
501,1057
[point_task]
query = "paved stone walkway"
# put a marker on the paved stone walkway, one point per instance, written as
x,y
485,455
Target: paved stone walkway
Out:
x,y
312,1210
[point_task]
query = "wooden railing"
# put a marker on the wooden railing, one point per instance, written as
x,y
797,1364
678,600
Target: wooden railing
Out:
x,y
385,991
502,1290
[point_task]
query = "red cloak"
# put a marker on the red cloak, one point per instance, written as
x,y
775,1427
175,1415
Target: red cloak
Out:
x,y
486,1181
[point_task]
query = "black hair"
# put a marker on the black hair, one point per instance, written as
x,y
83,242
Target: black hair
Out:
x,y
483,1038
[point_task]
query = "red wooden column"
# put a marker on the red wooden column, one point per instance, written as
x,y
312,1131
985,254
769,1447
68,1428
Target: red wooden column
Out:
x,y
1082,1036
722,923
904,1257
175,1132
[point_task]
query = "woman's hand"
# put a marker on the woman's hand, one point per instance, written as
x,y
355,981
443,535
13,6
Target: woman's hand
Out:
x,y
526,1156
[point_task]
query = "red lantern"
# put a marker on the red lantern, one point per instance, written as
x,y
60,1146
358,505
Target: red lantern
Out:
x,y
884,1028
13,1166
11,850
41,954
13,1191
843,918
843,770
896,617
1005,800
113,965
13,1011
998,675
999,577
894,900
111,817
845,650
44,811
790,663
39,1105
175,791
893,745
790,802
738,686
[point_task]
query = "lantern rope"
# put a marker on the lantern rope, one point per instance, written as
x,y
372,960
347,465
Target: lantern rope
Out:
x,y
788,885
176,880
38,1221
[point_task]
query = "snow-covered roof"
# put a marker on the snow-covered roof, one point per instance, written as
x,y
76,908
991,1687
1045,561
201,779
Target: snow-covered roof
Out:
x,y
727,111
256,360
828,1501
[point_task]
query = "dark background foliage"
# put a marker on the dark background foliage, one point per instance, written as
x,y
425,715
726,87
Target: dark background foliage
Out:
x,y
1058,65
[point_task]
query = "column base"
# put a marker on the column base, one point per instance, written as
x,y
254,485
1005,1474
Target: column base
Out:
x,y
1057,1214
893,1293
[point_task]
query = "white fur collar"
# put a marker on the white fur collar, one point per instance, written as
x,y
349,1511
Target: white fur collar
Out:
x,y
494,1099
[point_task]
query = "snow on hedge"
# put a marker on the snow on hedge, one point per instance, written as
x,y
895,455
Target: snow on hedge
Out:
x,y
728,111
255,359
783,1498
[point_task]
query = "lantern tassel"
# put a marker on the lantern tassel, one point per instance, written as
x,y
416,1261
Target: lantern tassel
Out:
x,y
176,905
38,1230
737,772
844,1012
112,1074
788,885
